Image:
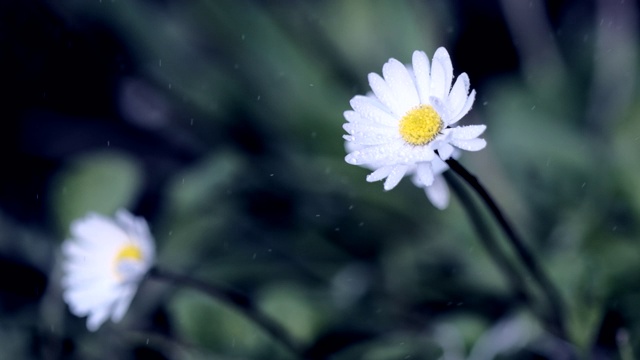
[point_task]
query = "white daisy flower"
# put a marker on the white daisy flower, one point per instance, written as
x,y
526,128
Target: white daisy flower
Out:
x,y
104,261
411,113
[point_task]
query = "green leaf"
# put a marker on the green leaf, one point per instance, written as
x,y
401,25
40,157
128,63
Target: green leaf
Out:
x,y
219,327
99,182
197,187
294,309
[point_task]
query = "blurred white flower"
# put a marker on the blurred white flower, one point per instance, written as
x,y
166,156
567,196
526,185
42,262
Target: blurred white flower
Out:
x,y
411,113
104,261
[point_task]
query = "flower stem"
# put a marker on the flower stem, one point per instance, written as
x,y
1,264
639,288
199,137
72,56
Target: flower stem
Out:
x,y
489,241
530,263
236,299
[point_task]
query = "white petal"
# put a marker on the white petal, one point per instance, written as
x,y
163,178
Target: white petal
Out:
x,y
371,138
402,86
380,173
349,146
469,145
441,74
395,176
442,56
444,150
370,109
371,154
425,175
71,249
82,277
384,93
97,318
422,71
465,109
94,295
123,302
359,128
126,220
441,109
98,230
438,193
415,154
458,95
437,87
355,119
438,166
467,132
352,116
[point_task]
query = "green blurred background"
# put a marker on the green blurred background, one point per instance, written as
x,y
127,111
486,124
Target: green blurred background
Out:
x,y
220,123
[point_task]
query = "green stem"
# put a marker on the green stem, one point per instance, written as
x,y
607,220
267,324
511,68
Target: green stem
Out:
x,y
489,242
238,300
530,263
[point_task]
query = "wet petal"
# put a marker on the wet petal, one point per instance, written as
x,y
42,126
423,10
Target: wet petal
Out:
x,y
396,174
442,56
369,109
356,128
384,93
438,193
465,109
371,154
415,154
467,132
402,86
469,145
425,174
444,150
441,109
438,166
422,72
458,95
370,138
441,74
380,173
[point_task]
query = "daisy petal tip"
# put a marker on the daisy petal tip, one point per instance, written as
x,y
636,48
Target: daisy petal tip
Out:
x,y
351,159
419,54
373,77
441,53
387,186
438,193
371,178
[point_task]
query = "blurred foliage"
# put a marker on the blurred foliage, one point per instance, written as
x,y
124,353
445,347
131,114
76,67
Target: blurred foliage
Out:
x,y
220,123
102,182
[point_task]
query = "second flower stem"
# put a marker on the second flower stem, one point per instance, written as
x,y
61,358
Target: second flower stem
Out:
x,y
238,300
530,263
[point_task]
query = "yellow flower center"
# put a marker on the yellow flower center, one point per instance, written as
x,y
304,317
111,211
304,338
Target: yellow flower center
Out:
x,y
127,255
420,125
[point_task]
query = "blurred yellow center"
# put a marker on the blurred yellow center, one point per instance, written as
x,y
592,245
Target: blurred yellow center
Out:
x,y
126,257
420,125
129,252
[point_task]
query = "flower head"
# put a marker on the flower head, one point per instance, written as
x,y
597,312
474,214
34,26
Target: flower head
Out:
x,y
411,114
104,261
